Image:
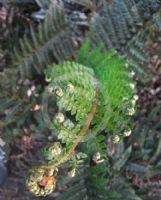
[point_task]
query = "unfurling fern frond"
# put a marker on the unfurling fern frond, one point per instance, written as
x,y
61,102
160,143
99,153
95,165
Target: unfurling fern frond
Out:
x,y
93,93
115,97
52,42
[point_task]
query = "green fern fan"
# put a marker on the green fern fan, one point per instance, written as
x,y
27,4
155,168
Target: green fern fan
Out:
x,y
94,93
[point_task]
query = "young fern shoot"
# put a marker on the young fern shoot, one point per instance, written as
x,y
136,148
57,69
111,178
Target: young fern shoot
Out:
x,y
94,93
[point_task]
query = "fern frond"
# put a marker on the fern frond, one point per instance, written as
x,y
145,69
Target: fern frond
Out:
x,y
109,68
115,85
93,94
51,43
121,25
74,86
92,185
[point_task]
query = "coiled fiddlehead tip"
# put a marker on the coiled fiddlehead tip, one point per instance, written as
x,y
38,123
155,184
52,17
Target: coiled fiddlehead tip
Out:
x,y
52,151
41,181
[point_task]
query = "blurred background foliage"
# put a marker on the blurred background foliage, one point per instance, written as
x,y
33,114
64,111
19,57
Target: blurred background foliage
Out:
x,y
133,28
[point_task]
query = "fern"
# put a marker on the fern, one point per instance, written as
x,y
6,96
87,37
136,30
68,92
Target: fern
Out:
x,y
98,94
124,20
120,26
91,186
149,150
111,97
52,42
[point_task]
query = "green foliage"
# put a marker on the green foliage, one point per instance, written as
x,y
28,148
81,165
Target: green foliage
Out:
x,y
115,96
121,25
74,84
128,169
92,185
51,42
93,95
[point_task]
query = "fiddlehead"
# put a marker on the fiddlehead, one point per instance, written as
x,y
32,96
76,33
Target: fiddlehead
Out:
x,y
92,95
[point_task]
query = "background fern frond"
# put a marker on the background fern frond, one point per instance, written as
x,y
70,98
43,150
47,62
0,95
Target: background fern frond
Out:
x,y
51,43
120,25
92,185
